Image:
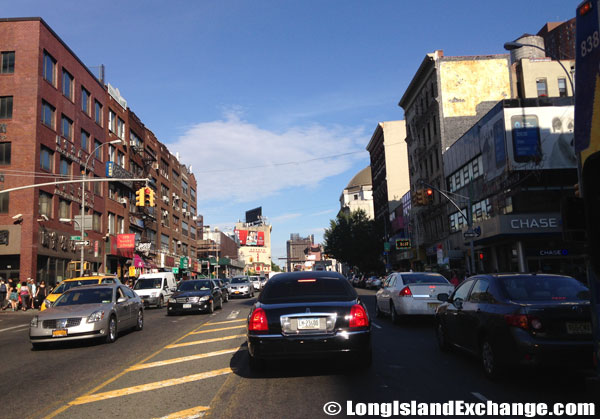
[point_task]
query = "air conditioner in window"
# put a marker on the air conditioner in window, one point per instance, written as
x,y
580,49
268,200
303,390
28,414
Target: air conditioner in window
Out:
x,y
123,201
155,166
174,194
58,139
194,218
178,242
132,143
176,229
162,223
165,199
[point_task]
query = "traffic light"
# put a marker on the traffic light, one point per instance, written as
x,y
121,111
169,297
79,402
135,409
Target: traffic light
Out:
x,y
428,196
149,197
140,198
418,198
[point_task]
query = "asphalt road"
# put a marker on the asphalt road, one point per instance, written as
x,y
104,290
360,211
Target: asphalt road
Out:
x,y
196,365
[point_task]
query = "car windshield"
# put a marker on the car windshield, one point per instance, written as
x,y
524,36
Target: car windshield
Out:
x,y
307,289
544,288
85,296
147,283
67,285
194,286
240,280
424,279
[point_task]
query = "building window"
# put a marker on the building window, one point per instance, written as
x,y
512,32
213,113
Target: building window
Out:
x,y
97,222
45,204
184,228
121,159
112,121
64,209
98,149
112,191
193,194
175,177
4,203
562,87
192,232
97,187
137,142
164,242
67,84
542,87
64,167
49,69
98,112
66,128
85,101
120,225
184,187
85,140
111,223
120,128
111,153
46,158
7,62
48,114
6,106
5,153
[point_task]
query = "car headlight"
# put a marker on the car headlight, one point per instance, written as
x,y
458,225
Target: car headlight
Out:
x,y
172,300
244,288
154,294
34,322
47,303
205,298
96,316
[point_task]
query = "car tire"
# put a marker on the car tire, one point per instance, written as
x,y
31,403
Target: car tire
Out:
x,y
441,338
161,302
394,316
256,364
111,330
378,312
211,307
489,359
139,324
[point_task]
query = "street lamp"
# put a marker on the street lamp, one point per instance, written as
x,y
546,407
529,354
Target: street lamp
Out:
x,y
510,46
82,223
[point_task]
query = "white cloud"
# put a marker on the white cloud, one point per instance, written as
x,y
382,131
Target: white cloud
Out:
x,y
239,161
284,217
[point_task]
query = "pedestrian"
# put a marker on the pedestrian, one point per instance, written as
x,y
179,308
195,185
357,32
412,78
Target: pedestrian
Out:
x,y
24,294
3,293
454,280
13,296
40,295
32,291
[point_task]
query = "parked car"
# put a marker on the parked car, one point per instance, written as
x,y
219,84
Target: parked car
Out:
x,y
308,314
372,282
518,319
241,286
224,289
411,293
255,282
88,312
156,288
376,283
263,281
195,295
67,284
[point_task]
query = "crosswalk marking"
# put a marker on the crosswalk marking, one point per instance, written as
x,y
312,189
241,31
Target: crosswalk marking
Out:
x,y
148,387
200,342
181,359
194,412
14,327
217,330
229,321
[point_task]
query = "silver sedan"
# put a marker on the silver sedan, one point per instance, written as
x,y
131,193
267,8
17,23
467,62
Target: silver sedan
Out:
x,y
87,312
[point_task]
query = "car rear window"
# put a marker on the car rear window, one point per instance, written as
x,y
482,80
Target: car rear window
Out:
x,y
544,288
307,289
424,279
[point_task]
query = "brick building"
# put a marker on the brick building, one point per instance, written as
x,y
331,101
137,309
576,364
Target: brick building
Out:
x,y
57,120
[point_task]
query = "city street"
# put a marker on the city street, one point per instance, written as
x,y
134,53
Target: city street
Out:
x,y
196,365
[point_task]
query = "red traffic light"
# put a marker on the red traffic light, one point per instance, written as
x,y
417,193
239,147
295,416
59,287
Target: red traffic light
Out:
x,y
429,192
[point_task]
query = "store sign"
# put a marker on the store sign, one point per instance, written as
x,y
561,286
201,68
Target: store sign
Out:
x,y
125,241
184,263
403,244
534,223
547,252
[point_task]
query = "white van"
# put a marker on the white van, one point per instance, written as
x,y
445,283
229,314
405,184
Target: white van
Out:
x,y
155,289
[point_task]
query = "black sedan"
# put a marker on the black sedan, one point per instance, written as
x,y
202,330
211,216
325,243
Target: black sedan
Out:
x,y
224,289
518,319
308,314
195,295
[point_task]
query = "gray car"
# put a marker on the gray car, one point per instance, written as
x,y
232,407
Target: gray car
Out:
x,y
88,312
241,286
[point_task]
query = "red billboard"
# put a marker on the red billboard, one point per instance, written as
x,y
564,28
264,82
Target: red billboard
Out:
x,y
125,241
251,238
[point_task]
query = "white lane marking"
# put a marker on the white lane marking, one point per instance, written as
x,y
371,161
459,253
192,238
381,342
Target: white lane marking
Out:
x,y
233,315
480,397
14,327
377,326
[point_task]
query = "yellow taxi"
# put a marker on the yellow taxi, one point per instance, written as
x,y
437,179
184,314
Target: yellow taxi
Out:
x,y
67,284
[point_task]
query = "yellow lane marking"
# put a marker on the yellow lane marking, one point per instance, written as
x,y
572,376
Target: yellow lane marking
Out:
x,y
199,342
218,330
148,387
211,323
181,359
194,412
119,375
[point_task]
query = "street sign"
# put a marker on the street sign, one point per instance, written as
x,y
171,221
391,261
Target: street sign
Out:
x,y
175,270
75,237
82,243
469,234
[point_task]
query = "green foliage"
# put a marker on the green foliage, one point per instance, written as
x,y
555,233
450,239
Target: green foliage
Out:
x,y
354,239
275,267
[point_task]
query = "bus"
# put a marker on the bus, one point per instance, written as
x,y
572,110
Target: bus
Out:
x,y
587,145
73,268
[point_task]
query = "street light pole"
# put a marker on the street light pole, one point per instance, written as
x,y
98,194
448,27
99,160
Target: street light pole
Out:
x,y
83,179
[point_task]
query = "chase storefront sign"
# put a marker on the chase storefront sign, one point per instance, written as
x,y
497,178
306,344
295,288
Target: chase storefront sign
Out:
x,y
536,223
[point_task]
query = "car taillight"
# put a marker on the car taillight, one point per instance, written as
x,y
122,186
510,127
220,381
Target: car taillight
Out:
x,y
358,316
258,321
523,321
405,292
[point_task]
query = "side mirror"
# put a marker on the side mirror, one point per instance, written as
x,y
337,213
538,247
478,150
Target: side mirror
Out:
x,y
458,303
442,297
121,300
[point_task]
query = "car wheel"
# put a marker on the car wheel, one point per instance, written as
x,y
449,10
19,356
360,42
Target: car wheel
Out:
x,y
161,302
256,365
139,325
489,359
111,331
211,307
440,335
378,312
393,314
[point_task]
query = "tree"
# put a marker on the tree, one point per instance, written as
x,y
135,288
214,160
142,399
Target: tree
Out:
x,y
275,267
353,239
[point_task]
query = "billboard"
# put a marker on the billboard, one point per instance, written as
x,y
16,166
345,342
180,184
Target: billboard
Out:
x,y
251,238
253,215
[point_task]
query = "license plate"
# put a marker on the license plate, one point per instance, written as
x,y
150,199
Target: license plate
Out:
x,y
236,292
580,328
313,323
433,306
59,333
187,306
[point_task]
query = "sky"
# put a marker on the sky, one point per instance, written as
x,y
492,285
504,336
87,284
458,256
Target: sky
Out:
x,y
272,102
